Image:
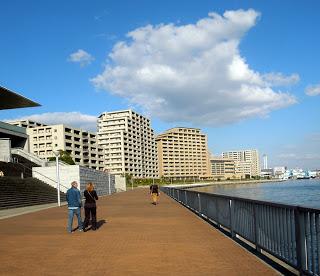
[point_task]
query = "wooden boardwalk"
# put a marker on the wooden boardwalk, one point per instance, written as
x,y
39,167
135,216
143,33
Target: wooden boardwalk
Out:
x,y
137,238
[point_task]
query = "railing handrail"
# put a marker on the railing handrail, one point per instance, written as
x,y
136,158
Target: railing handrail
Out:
x,y
55,181
28,155
270,203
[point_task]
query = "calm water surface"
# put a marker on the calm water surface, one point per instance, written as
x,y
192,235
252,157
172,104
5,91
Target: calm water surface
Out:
x,y
296,192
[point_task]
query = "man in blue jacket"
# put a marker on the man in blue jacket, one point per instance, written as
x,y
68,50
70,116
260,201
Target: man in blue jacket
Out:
x,y
74,205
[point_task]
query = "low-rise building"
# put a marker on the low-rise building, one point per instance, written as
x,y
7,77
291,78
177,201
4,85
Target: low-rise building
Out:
x,y
81,145
247,162
222,168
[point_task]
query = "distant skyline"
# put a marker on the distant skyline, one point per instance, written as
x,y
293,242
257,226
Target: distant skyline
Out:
x,y
245,72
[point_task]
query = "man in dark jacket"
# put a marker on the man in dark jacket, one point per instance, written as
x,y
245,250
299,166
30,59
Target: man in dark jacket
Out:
x,y
74,205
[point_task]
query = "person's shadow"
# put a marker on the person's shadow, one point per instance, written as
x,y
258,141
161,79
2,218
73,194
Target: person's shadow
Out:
x,y
100,223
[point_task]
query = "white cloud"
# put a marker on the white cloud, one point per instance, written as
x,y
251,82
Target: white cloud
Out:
x,y
305,154
74,119
278,79
192,73
313,90
81,57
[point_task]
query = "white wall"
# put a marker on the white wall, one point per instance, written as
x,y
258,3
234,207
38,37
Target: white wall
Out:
x,y
67,175
120,183
5,149
104,183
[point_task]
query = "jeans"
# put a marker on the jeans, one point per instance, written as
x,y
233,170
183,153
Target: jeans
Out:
x,y
93,211
71,213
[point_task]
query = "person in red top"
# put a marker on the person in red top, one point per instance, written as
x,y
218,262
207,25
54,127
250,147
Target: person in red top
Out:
x,y
90,206
154,192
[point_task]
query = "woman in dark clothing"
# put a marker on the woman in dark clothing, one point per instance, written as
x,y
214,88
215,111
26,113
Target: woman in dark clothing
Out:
x,y
90,206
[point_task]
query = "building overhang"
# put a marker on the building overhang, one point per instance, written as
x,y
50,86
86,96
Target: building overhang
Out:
x,y
10,100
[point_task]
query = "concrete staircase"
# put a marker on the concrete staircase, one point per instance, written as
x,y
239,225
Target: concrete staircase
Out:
x,y
16,192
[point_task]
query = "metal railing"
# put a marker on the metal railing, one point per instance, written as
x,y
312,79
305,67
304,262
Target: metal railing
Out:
x,y
289,233
31,157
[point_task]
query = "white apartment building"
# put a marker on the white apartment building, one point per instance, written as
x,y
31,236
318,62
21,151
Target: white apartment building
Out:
x,y
82,145
183,154
246,161
26,123
129,144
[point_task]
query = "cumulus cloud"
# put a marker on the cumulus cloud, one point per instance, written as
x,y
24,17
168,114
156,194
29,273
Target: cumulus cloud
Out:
x,y
279,79
81,57
73,119
313,90
192,73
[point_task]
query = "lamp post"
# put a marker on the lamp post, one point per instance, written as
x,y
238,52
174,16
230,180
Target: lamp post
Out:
x,y
57,154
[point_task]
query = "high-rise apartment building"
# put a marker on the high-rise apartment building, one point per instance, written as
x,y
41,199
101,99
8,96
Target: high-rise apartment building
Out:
x,y
183,153
222,168
81,145
246,161
129,143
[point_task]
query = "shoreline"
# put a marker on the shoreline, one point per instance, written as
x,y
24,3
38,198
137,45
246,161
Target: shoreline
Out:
x,y
195,185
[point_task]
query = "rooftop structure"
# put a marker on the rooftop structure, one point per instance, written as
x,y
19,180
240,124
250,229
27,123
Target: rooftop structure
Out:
x,y
10,100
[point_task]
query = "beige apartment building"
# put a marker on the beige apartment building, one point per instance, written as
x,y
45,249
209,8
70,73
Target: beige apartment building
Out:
x,y
247,162
183,154
129,144
82,145
222,168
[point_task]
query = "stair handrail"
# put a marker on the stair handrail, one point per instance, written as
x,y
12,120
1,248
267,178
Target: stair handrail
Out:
x,y
31,157
53,180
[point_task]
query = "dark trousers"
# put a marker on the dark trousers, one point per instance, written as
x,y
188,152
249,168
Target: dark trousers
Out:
x,y
93,212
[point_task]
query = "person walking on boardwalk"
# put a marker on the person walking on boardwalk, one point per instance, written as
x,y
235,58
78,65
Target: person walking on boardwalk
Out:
x,y
74,205
90,206
154,192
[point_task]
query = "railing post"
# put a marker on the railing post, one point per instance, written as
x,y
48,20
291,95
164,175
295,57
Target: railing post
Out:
x,y
300,240
231,210
178,192
256,227
186,198
199,200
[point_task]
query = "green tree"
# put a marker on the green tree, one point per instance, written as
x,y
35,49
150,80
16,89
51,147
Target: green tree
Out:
x,y
64,157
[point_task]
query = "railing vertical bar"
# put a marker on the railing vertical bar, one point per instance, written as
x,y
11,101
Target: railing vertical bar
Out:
x,y
265,235
282,233
270,228
256,226
280,230
293,222
286,236
308,240
312,249
232,218
300,240
248,212
186,198
245,213
276,231
318,241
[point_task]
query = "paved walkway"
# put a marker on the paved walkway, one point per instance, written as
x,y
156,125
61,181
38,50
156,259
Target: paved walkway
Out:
x,y
137,238
8,213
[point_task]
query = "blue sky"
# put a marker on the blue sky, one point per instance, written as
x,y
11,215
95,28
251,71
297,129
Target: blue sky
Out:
x,y
242,76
